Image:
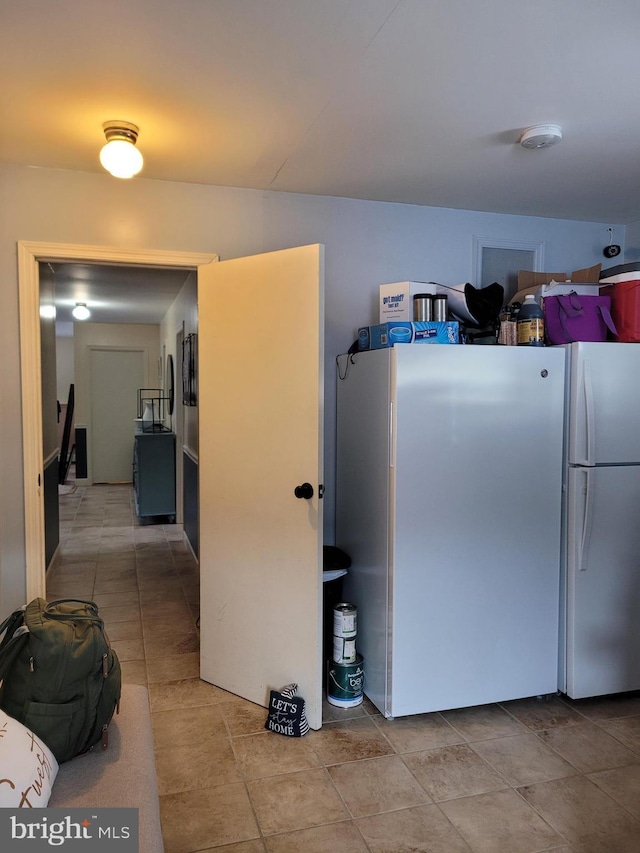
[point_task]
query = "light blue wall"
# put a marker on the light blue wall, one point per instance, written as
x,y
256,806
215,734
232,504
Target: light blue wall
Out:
x,y
367,243
632,242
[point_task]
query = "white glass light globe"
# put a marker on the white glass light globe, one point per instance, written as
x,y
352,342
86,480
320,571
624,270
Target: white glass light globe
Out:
x,y
81,312
121,158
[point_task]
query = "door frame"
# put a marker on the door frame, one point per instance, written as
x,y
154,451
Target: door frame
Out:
x,y
178,420
30,254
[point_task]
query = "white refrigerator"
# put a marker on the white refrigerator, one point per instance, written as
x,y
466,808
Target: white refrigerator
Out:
x,y
601,567
449,483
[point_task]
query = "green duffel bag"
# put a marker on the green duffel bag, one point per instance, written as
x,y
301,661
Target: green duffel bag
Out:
x,y
59,675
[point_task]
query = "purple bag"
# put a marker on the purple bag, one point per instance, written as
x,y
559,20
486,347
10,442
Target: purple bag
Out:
x,y
575,317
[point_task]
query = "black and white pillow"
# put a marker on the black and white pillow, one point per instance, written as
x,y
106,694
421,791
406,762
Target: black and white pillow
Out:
x,y
286,712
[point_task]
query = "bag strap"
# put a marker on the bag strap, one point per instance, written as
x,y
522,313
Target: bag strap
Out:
x,y
10,654
564,314
11,624
608,319
65,616
571,305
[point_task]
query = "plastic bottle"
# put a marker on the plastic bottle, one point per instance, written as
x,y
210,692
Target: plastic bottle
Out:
x,y
530,323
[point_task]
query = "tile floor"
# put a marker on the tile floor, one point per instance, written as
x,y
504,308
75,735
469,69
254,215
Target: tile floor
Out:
x,y
519,777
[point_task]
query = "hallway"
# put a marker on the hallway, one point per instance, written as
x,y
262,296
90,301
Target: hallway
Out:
x,y
520,777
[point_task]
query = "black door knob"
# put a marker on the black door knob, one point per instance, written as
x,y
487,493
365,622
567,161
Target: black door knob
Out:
x,y
304,491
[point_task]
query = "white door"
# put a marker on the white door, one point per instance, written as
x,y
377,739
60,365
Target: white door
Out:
x,y
115,376
260,350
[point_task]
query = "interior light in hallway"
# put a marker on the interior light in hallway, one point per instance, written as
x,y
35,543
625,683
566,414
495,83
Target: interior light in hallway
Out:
x,y
120,156
81,312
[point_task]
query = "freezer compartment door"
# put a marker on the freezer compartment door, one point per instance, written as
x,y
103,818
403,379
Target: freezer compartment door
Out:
x,y
477,505
603,581
604,404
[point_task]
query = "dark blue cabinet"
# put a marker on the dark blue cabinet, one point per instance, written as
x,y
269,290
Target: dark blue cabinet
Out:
x,y
154,473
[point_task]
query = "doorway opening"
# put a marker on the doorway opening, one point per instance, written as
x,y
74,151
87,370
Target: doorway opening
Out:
x,y
500,260
30,256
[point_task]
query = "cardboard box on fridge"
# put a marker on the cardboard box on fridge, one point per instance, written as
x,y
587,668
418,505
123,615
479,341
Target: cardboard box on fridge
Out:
x,y
385,335
396,299
543,284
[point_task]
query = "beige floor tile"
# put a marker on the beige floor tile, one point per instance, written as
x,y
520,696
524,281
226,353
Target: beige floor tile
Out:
x,y
159,579
332,713
622,785
608,707
200,819
162,647
186,693
523,759
588,747
244,718
482,722
424,731
341,837
158,630
173,611
270,754
116,565
546,713
377,785
128,649
120,613
351,740
71,589
626,730
120,585
453,771
173,668
500,822
125,631
134,672
67,573
255,846
585,816
120,561
201,764
117,599
160,591
151,535
188,726
296,801
423,829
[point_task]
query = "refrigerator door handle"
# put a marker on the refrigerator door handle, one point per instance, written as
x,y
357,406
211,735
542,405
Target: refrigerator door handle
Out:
x,y
589,419
392,443
587,520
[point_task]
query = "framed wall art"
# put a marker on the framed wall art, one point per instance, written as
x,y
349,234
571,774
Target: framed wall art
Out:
x,y
189,370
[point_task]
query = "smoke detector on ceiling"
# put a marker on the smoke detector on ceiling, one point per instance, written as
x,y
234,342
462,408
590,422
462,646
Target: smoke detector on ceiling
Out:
x,y
541,136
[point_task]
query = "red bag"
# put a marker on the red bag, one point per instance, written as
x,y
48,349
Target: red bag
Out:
x,y
575,317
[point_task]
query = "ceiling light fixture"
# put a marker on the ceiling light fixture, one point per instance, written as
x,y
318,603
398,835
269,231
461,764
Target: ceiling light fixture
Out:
x,y
81,312
541,136
120,156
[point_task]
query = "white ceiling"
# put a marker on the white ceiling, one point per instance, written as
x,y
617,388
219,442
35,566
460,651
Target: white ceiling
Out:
x,y
115,294
413,101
